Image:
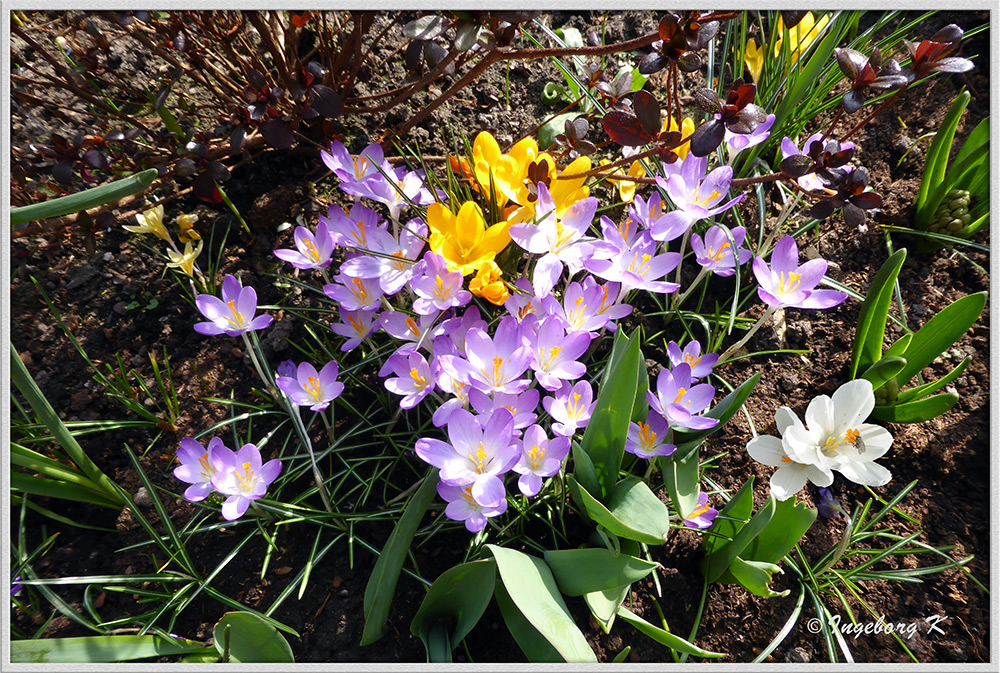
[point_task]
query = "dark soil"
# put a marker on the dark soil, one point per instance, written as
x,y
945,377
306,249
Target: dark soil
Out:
x,y
948,455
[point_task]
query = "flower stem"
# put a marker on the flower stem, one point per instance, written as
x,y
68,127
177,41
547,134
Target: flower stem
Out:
x,y
746,337
680,300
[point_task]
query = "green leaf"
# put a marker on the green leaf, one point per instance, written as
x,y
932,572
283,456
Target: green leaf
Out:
x,y
980,136
959,174
633,511
604,439
604,605
805,77
755,576
724,410
789,523
251,639
534,645
98,649
730,520
675,643
582,571
883,370
918,411
680,477
583,470
928,388
548,132
532,589
85,200
898,347
936,164
723,556
52,488
870,331
456,600
940,332
382,583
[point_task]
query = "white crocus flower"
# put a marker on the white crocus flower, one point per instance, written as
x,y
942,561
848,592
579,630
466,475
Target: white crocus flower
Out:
x,y
833,438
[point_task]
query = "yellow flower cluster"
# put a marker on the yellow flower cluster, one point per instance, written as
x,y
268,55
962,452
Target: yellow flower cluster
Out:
x,y
799,39
151,222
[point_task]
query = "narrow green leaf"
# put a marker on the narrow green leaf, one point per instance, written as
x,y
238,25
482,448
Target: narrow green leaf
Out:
x,y
959,174
883,370
724,410
898,347
870,331
85,200
51,488
675,643
680,477
382,583
936,163
99,649
604,605
531,587
252,640
755,577
932,387
582,571
940,332
456,601
979,136
918,411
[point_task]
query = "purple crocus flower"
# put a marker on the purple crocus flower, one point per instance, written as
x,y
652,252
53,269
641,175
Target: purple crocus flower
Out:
x,y
351,230
588,306
570,407
16,587
241,476
540,457
678,401
459,390
703,515
285,368
525,306
393,265
695,196
457,328
197,467
785,283
233,314
701,365
351,170
554,353
810,181
522,406
396,188
493,365
636,267
477,455
437,289
354,294
646,213
737,142
356,326
310,388
463,507
409,329
648,440
312,251
828,506
560,239
715,254
414,379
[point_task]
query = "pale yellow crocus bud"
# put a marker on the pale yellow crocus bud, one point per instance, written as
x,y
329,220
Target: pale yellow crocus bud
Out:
x,y
150,222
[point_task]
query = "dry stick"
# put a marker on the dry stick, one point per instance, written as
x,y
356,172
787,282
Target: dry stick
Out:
x,y
833,124
407,91
521,54
360,19
267,35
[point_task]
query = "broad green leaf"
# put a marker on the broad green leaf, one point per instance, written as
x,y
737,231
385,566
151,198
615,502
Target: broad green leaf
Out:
x,y
382,583
979,136
99,649
604,439
85,200
548,132
251,639
883,370
729,521
583,470
456,600
936,164
932,387
870,331
898,347
918,411
789,523
534,645
675,643
724,410
755,576
604,605
724,556
680,477
582,571
646,518
531,587
940,332
959,174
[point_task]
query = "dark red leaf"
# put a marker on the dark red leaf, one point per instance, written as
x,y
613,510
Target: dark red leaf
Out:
x,y
624,129
647,110
742,96
707,137
204,188
867,200
707,101
821,210
689,62
667,27
256,79
853,215
654,62
327,102
796,165
277,133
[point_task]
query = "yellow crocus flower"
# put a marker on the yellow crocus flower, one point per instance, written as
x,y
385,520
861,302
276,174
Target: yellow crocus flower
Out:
x,y
626,188
186,230
185,262
464,240
754,59
686,129
150,222
487,284
801,36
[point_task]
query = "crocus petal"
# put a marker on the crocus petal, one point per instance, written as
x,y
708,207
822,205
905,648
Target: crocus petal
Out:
x,y
866,474
529,484
547,272
853,402
488,490
767,450
234,507
198,492
788,480
785,257
822,299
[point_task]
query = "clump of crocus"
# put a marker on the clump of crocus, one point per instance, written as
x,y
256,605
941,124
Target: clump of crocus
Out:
x,y
309,388
234,313
243,477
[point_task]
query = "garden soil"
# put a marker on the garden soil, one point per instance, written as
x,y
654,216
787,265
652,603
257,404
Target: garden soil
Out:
x,y
106,299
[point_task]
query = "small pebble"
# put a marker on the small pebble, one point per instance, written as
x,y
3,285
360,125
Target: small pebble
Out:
x,y
337,581
26,358
142,498
343,592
